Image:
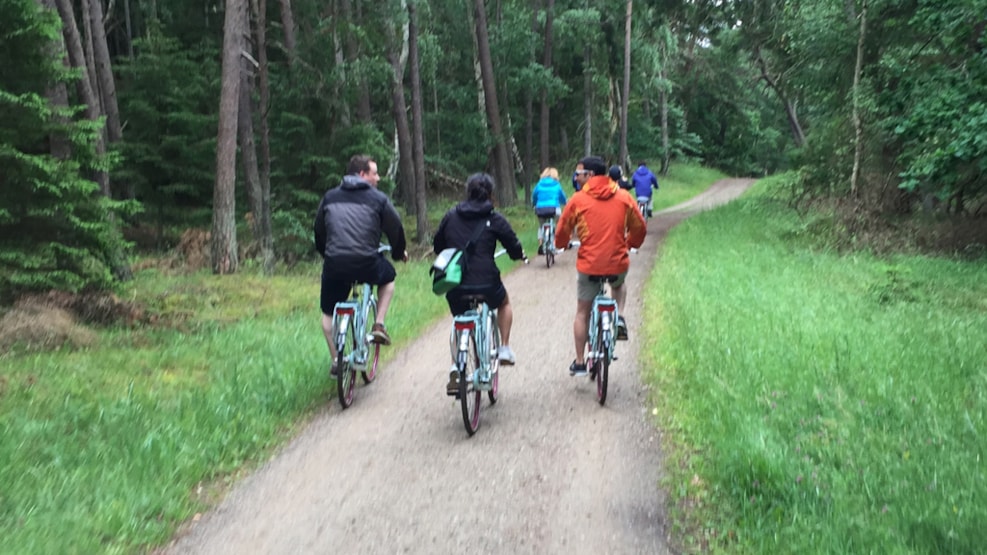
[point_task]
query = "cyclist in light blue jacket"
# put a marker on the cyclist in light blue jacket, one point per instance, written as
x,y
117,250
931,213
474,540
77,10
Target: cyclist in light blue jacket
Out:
x,y
548,198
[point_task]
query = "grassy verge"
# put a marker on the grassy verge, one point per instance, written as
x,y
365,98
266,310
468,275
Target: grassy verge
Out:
x,y
815,402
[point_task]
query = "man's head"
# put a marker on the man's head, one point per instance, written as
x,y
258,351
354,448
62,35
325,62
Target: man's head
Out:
x,y
365,167
642,163
588,167
615,173
479,187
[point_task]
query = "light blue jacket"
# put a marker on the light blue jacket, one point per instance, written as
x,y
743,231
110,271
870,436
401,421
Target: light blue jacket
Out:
x,y
548,193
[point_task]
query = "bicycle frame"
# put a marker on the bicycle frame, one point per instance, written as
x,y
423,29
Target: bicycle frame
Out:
x,y
548,241
355,351
601,343
473,345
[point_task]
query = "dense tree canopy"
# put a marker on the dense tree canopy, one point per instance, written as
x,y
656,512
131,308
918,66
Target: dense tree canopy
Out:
x,y
872,99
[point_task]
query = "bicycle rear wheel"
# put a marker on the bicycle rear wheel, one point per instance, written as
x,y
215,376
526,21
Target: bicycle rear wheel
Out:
x,y
345,345
603,366
494,358
373,349
469,395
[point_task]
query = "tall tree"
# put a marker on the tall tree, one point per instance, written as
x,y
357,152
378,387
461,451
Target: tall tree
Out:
x,y
418,126
288,27
224,245
544,120
397,55
627,86
503,170
259,8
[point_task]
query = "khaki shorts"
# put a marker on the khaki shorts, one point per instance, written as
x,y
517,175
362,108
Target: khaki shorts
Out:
x,y
586,290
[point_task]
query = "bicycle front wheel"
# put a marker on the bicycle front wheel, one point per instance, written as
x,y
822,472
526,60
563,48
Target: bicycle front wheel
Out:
x,y
373,348
345,345
469,394
603,368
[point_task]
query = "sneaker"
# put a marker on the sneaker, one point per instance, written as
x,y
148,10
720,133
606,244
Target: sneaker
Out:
x,y
334,370
577,369
379,333
505,355
541,250
650,214
452,388
621,329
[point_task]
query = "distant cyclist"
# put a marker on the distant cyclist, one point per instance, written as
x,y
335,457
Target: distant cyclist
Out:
x,y
608,224
644,182
548,198
616,174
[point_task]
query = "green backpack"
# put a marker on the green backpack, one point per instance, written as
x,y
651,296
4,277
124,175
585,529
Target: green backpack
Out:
x,y
450,265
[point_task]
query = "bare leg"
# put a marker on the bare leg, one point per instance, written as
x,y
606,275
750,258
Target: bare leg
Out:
x,y
384,295
580,329
619,295
327,331
505,317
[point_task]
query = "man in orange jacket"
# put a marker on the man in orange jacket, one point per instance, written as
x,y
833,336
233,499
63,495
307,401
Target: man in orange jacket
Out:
x,y
607,222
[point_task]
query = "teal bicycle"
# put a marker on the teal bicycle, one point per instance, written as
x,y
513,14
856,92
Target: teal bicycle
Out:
x,y
603,319
356,351
474,343
548,241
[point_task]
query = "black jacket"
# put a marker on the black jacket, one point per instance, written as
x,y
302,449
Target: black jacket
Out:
x,y
460,223
351,220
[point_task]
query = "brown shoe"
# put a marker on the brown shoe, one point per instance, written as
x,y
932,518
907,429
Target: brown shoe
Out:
x,y
379,333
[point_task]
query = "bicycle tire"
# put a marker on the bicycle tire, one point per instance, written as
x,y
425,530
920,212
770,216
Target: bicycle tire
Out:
x,y
469,395
603,372
347,374
494,358
373,349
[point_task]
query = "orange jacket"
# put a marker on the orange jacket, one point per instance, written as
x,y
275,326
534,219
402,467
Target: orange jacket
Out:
x,y
607,223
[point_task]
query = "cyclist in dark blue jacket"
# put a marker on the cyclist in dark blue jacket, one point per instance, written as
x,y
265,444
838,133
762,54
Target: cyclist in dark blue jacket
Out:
x,y
644,181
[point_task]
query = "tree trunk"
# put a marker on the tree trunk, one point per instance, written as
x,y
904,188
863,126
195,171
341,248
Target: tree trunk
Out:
x,y
364,112
623,157
248,152
397,56
77,59
793,122
288,25
587,101
267,237
503,172
224,244
418,127
128,25
56,93
88,46
544,129
666,146
107,85
858,128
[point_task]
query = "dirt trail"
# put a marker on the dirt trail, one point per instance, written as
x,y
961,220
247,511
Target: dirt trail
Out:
x,y
549,471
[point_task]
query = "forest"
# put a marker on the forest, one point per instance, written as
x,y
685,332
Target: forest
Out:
x,y
126,123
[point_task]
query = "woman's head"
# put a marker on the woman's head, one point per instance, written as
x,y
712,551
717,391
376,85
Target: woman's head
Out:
x,y
550,172
479,187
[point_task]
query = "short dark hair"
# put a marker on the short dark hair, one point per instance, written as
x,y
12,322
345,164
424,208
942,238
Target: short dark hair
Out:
x,y
359,163
642,163
479,187
594,164
615,173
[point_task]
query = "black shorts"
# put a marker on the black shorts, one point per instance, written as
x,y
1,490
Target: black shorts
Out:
x,y
338,278
495,294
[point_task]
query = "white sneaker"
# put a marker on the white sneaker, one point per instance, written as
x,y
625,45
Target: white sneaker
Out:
x,y
505,355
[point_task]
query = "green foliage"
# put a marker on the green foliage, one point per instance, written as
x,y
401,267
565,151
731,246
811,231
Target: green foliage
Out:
x,y
55,226
818,403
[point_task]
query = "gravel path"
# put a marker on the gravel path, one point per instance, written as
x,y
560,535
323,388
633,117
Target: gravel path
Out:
x,y
549,471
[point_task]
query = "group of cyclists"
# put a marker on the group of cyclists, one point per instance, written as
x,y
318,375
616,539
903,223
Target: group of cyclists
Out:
x,y
601,213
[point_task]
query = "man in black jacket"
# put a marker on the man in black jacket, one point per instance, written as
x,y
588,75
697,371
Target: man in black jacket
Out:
x,y
348,228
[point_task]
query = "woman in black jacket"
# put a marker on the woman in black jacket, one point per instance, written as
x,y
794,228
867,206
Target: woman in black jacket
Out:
x,y
482,275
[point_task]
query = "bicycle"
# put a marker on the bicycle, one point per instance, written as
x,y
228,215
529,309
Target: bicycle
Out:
x,y
356,351
642,205
603,318
474,344
548,241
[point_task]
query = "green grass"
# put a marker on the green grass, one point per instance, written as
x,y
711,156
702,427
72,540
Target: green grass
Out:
x,y
108,449
816,402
